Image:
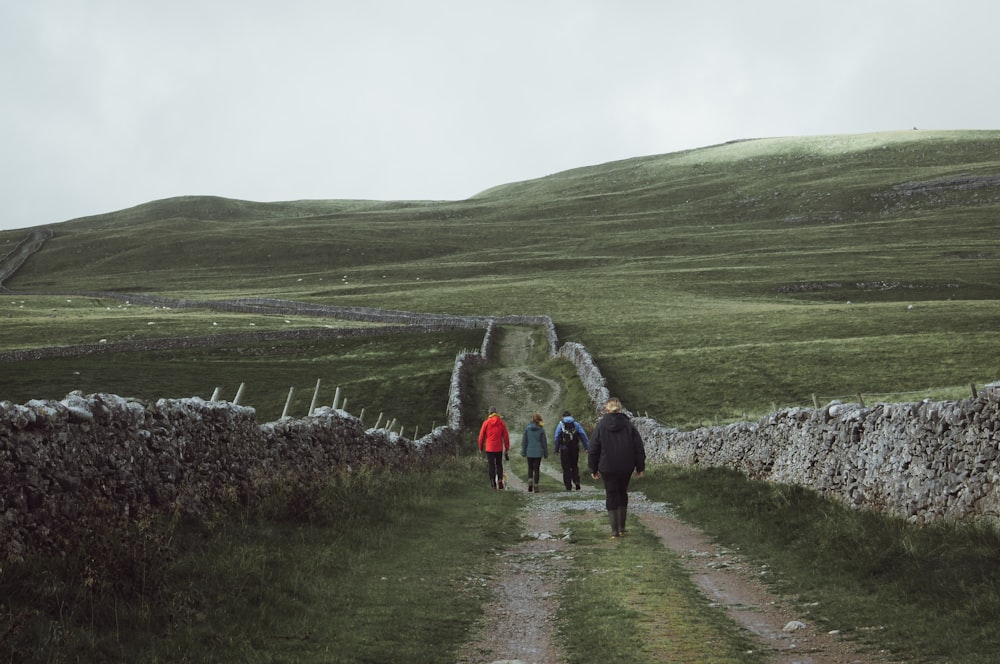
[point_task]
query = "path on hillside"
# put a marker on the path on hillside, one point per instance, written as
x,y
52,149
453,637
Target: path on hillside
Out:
x,y
519,624
13,260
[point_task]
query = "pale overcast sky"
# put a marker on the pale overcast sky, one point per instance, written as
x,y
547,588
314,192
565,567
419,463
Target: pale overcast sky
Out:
x,y
112,103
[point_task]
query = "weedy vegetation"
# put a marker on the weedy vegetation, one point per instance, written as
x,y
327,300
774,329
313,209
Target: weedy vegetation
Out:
x,y
383,568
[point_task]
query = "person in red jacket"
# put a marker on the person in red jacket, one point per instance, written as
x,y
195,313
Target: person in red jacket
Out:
x,y
494,439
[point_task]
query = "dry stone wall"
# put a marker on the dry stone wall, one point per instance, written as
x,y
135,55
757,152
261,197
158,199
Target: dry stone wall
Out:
x,y
923,461
63,462
59,459
185,343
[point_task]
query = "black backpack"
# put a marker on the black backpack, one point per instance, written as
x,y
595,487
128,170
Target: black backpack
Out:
x,y
568,435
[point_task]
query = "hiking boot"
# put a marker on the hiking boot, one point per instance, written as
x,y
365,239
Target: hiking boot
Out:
x,y
577,487
500,485
530,487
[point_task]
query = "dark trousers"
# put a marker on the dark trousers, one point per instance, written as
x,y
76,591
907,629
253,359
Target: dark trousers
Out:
x,y
495,461
570,459
534,469
616,489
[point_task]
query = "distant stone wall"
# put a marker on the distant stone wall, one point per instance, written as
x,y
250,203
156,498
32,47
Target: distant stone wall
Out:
x,y
270,306
544,321
591,377
924,462
461,376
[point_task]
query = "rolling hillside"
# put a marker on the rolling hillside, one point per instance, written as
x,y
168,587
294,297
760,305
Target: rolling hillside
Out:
x,y
709,284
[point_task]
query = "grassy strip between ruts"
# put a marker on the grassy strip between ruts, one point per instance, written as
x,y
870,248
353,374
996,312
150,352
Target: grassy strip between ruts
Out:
x,y
629,600
379,569
926,593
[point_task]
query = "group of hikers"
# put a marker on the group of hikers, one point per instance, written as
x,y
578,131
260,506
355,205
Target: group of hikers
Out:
x,y
614,452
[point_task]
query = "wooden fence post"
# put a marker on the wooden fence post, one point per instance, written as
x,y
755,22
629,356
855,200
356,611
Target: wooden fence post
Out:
x,y
312,405
288,402
239,395
975,392
215,394
336,398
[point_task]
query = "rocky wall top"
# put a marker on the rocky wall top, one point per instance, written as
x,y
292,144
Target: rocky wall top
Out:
x,y
923,461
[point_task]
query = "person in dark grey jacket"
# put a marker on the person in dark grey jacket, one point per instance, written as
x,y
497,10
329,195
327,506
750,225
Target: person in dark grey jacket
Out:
x,y
616,451
534,446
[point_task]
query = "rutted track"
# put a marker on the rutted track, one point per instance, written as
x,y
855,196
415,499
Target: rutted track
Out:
x,y
519,623
17,256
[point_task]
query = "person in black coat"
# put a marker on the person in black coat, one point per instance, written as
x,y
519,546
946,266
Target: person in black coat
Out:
x,y
616,451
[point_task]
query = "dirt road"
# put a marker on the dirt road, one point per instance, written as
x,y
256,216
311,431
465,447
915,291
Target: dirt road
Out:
x,y
519,624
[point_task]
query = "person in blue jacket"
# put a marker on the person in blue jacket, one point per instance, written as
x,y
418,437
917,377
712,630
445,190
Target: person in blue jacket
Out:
x,y
568,435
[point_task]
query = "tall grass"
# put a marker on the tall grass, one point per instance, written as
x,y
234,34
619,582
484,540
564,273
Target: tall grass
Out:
x,y
929,593
382,568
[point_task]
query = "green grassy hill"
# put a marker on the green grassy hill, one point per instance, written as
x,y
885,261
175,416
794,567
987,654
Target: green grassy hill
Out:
x,y
711,284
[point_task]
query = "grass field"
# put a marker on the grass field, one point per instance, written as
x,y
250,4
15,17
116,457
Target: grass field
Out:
x,y
404,377
709,284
